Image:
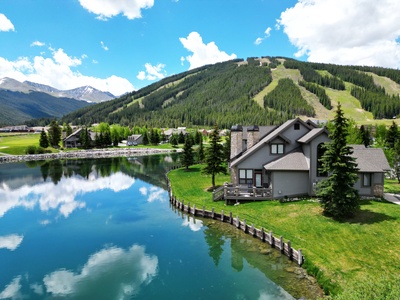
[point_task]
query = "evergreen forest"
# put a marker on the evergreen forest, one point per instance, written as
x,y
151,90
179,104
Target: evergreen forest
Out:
x,y
225,94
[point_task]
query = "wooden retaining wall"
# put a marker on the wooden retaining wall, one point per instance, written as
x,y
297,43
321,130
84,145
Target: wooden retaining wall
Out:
x,y
266,237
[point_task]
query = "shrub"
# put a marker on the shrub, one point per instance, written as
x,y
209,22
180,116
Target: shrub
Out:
x,y
30,150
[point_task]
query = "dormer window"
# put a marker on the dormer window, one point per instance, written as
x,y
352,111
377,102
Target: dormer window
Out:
x,y
276,148
296,126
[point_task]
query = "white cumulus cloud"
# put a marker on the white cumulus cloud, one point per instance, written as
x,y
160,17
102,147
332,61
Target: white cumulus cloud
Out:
x,y
362,32
105,9
59,71
203,54
5,24
152,72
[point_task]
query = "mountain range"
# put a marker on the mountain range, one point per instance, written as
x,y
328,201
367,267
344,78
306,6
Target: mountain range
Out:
x,y
22,101
255,91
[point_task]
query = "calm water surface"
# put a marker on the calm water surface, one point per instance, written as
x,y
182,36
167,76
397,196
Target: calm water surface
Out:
x,y
104,229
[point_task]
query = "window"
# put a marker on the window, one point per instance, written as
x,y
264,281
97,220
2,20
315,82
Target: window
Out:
x,y
366,179
246,176
276,148
297,126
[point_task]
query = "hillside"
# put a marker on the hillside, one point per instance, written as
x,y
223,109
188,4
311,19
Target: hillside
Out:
x,y
258,91
18,107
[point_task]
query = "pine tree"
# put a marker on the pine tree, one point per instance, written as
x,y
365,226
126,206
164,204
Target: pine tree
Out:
x,y
392,135
43,141
54,134
200,152
214,156
337,194
187,158
173,140
145,139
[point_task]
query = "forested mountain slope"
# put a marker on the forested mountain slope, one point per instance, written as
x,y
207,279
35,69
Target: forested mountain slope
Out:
x,y
18,107
258,91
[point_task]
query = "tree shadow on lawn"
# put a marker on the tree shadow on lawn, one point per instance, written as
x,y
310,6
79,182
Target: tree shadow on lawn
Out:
x,y
366,216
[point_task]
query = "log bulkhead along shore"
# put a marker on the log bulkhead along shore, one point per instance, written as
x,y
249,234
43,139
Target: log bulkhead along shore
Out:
x,y
266,237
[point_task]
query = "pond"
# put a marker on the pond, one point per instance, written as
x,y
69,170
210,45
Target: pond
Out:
x,y
104,229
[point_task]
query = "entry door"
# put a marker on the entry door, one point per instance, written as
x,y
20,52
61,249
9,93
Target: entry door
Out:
x,y
258,179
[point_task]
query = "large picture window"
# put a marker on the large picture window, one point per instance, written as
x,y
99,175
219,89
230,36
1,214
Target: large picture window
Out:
x,y
246,176
276,148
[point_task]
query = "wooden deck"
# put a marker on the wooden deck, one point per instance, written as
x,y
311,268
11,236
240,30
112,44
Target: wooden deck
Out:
x,y
242,193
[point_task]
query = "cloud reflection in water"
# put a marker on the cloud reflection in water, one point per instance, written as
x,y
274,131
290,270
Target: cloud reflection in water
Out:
x,y
61,196
11,242
111,273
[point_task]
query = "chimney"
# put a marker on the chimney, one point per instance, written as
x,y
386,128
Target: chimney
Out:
x,y
236,140
253,136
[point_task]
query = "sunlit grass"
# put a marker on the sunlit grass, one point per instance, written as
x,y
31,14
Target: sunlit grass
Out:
x,y
16,144
366,245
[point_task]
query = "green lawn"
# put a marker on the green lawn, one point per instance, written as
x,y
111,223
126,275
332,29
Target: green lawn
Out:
x,y
16,144
366,246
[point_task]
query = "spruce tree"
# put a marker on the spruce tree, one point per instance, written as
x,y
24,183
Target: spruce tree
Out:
x,y
187,158
43,141
54,134
215,156
200,152
337,194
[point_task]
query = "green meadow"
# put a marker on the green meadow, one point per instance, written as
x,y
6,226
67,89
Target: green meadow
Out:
x,y
365,247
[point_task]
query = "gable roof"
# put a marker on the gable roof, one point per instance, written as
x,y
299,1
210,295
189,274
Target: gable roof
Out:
x,y
269,137
312,135
370,159
75,133
293,161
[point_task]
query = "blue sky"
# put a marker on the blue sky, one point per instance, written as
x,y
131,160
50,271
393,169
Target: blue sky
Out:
x,y
124,45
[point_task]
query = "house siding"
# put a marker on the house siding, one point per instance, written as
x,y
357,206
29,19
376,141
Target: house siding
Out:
x,y
289,183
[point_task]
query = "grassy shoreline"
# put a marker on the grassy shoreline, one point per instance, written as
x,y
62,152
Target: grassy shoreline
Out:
x,y
337,253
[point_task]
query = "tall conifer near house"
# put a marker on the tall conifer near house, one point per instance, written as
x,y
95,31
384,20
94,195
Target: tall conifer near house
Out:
x,y
337,194
215,158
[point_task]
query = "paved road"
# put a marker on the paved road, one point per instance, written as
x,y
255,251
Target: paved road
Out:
x,y
394,198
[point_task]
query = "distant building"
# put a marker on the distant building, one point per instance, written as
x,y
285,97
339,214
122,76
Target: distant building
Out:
x,y
73,140
134,140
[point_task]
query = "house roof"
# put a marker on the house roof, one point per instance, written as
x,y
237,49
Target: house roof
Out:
x,y
370,159
293,161
76,132
268,138
312,135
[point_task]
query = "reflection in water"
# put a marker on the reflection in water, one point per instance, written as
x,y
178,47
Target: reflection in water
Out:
x,y
121,271
10,242
61,196
192,223
154,194
215,241
12,290
111,273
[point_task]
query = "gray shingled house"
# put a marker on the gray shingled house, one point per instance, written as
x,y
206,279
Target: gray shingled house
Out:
x,y
283,161
74,139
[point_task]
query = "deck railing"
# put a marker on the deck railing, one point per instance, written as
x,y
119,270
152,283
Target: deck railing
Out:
x,y
230,192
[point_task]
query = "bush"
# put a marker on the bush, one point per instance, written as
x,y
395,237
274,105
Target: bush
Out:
x,y
30,150
40,150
